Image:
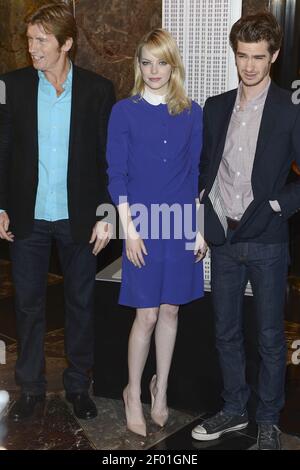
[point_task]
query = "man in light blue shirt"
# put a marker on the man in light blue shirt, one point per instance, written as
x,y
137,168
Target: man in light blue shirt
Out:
x,y
52,179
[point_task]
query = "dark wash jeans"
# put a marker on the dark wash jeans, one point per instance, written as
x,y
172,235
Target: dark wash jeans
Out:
x,y
30,263
266,268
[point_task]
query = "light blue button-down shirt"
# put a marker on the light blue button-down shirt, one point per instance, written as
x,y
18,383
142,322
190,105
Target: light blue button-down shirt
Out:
x,y
54,114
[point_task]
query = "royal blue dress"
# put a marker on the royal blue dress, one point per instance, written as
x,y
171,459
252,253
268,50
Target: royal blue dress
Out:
x,y
153,161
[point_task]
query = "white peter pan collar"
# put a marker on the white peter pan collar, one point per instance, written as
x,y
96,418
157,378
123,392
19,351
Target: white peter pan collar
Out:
x,y
154,99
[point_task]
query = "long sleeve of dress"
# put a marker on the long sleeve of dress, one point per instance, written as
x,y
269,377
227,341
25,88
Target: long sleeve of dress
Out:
x,y
117,153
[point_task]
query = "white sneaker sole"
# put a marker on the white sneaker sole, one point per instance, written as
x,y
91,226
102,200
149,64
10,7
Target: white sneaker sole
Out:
x,y
210,437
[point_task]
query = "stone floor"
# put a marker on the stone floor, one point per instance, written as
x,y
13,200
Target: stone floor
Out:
x,y
55,427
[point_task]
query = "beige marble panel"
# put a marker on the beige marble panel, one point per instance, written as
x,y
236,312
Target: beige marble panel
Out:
x,y
109,31
13,45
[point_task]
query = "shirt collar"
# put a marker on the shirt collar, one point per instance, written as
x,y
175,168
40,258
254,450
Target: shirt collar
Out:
x,y
67,83
152,98
256,101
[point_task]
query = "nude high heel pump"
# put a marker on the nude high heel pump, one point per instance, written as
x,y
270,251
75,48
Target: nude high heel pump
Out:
x,y
158,418
136,427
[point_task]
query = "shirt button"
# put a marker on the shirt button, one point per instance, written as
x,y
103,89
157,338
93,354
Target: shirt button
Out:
x,y
238,173
54,150
240,149
243,124
165,141
255,108
238,196
165,160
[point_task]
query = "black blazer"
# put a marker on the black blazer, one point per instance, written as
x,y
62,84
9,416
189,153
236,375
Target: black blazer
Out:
x,y
92,100
277,146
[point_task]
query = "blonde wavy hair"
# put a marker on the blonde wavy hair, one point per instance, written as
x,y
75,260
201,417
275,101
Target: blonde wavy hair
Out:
x,y
162,45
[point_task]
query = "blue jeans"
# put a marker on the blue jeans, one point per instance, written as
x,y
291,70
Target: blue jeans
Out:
x,y
266,268
30,263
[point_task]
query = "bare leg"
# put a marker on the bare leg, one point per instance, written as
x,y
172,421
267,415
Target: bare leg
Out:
x,y
165,336
138,350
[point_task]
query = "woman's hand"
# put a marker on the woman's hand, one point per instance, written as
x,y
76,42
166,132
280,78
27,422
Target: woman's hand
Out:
x,y
200,249
135,248
101,235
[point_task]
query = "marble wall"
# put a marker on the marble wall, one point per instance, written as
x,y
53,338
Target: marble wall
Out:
x,y
108,33
13,47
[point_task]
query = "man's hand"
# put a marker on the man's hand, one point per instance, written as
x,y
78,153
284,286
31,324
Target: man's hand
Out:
x,y
200,249
4,225
101,235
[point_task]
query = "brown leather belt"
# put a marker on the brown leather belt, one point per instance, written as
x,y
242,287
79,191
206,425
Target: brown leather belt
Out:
x,y
232,224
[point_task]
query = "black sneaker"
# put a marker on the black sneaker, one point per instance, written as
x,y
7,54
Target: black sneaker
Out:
x,y
222,422
268,437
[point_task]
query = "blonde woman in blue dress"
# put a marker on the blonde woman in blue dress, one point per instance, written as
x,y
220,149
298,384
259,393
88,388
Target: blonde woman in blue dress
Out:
x,y
154,145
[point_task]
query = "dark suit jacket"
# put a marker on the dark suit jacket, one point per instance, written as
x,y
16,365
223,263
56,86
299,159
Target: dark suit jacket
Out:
x,y
92,100
277,146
